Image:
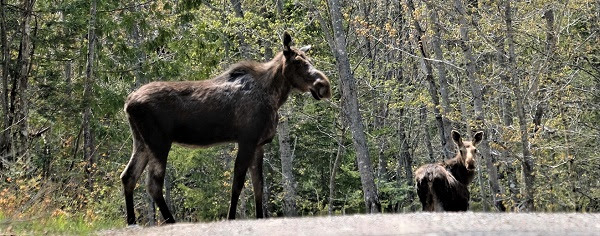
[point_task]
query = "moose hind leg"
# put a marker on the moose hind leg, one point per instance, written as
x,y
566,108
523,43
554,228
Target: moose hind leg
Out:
x,y
155,182
256,173
424,194
135,167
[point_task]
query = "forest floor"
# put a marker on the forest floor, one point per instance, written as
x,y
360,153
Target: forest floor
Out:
x,y
389,224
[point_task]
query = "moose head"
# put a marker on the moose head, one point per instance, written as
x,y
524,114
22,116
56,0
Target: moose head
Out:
x,y
467,149
301,73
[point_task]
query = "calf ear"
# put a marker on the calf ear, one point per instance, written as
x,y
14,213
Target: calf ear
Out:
x,y
477,137
456,138
287,41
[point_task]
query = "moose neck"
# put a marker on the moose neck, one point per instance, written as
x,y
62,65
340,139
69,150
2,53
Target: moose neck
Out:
x,y
275,81
459,170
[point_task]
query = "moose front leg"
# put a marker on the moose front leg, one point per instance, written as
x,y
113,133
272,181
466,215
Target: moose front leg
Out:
x,y
256,172
244,157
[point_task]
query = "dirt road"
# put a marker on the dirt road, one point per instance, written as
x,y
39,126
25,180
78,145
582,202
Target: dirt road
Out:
x,y
390,224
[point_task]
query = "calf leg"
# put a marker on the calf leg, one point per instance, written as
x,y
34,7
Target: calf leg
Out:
x,y
242,161
256,173
424,194
135,167
155,182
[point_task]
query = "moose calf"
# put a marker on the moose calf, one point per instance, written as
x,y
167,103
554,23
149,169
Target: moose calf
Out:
x,y
444,186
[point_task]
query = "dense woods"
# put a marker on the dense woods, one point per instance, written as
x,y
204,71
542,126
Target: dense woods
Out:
x,y
404,74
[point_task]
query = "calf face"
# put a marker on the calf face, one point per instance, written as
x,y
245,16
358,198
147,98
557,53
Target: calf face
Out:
x,y
467,149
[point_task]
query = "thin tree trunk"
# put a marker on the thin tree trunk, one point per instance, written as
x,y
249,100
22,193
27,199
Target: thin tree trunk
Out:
x,y
381,116
426,135
336,165
68,67
88,138
242,209
405,160
169,188
428,70
237,8
5,134
476,91
285,153
540,86
350,104
136,36
381,105
447,146
527,163
507,120
279,6
23,66
69,77
151,208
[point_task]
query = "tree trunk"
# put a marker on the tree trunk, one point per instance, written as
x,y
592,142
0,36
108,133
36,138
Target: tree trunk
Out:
x,y
137,38
151,208
69,77
334,168
507,120
380,112
5,134
244,48
426,135
527,163
285,153
427,69
279,6
476,91
243,207
88,138
169,188
447,145
405,160
540,86
350,104
21,97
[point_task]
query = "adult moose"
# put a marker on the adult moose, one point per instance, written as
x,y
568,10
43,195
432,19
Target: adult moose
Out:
x,y
239,105
444,186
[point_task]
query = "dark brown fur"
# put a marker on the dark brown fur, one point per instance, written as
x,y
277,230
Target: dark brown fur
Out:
x,y
239,105
444,186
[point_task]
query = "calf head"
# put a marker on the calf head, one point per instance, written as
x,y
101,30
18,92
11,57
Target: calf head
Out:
x,y
467,149
301,73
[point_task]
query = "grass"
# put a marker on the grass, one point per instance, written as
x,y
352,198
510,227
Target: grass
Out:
x,y
55,224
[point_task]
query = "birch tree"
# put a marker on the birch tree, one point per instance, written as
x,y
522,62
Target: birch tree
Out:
x,y
351,108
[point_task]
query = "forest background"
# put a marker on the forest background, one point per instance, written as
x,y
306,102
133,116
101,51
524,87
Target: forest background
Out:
x,y
404,74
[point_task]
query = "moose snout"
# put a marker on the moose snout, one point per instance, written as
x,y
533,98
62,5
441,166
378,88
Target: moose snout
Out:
x,y
321,87
470,164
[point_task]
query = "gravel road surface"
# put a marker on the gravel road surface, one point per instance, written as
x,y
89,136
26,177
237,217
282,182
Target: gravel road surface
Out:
x,y
389,224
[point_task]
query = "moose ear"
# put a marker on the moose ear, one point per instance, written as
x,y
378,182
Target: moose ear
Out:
x,y
305,48
456,138
287,41
477,137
